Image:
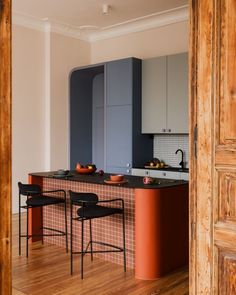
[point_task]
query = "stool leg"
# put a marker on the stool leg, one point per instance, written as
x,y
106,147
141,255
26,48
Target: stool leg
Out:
x,y
124,249
27,233
82,249
91,239
41,213
66,229
71,242
19,230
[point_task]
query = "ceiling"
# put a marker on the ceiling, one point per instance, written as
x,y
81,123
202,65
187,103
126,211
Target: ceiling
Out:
x,y
88,14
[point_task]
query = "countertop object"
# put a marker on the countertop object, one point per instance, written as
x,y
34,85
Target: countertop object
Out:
x,y
132,181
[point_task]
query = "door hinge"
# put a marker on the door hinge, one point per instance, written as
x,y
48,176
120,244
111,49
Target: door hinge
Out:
x,y
195,135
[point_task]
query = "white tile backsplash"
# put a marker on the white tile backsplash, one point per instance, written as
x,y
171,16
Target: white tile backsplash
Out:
x,y
166,145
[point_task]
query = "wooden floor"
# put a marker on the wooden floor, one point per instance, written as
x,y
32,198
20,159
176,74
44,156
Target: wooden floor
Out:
x,y
46,271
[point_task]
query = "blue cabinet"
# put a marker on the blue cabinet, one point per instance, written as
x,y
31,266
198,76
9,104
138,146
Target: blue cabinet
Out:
x,y
119,138
125,145
119,82
105,117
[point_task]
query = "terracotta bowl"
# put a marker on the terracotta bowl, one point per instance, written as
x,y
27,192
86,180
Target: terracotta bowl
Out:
x,y
85,170
116,177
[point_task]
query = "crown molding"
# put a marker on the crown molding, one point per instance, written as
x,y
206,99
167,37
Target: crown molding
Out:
x,y
83,33
69,31
148,22
46,25
28,21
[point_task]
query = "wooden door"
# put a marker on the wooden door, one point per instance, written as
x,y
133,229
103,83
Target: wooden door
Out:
x,y
213,147
5,147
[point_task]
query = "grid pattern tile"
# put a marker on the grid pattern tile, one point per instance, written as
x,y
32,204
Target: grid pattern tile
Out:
x,y
166,145
106,229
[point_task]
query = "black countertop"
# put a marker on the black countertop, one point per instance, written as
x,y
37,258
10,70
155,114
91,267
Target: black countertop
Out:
x,y
133,181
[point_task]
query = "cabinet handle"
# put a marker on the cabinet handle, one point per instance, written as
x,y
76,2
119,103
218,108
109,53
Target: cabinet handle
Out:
x,y
164,174
163,130
128,170
127,165
169,130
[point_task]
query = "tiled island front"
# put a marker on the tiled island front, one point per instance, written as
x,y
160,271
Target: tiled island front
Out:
x,y
109,229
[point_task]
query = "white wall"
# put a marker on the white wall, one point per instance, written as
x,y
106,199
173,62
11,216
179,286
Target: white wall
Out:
x,y
164,40
66,54
27,105
31,122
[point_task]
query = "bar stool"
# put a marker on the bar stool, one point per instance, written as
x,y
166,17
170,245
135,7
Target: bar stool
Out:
x,y
89,209
35,198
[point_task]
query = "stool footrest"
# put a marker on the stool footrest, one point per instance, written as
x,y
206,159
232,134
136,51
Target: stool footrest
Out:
x,y
53,229
60,233
108,245
117,249
98,251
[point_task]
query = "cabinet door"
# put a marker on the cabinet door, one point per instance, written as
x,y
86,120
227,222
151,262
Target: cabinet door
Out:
x,y
184,176
154,95
165,174
119,82
118,138
177,93
140,172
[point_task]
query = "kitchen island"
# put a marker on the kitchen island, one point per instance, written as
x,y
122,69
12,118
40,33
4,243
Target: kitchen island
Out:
x,y
156,217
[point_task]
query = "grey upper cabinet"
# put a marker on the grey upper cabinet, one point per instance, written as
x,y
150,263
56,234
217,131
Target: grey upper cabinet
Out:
x,y
165,94
125,145
177,93
154,95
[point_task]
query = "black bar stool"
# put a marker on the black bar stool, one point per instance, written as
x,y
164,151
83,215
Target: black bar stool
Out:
x,y
89,209
35,197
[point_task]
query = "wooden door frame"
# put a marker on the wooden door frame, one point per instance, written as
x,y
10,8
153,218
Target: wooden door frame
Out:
x,y
203,91
5,147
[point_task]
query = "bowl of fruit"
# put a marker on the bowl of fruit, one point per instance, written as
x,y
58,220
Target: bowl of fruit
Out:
x,y
86,169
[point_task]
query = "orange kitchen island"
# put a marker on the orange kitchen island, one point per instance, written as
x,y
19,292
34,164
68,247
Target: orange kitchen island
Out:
x,y
156,217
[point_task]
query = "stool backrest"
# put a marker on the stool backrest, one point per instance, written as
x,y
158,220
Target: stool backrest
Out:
x,y
29,189
83,198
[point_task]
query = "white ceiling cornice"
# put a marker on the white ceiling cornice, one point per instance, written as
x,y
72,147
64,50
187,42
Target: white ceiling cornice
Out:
x,y
28,21
143,23
135,25
45,25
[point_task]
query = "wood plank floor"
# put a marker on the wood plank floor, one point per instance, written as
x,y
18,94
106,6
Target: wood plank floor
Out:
x,y
46,272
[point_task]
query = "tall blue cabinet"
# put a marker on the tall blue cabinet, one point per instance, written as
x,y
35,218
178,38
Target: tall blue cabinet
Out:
x,y
111,136
126,147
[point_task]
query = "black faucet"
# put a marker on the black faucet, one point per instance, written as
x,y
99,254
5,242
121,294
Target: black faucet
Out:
x,y
182,158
